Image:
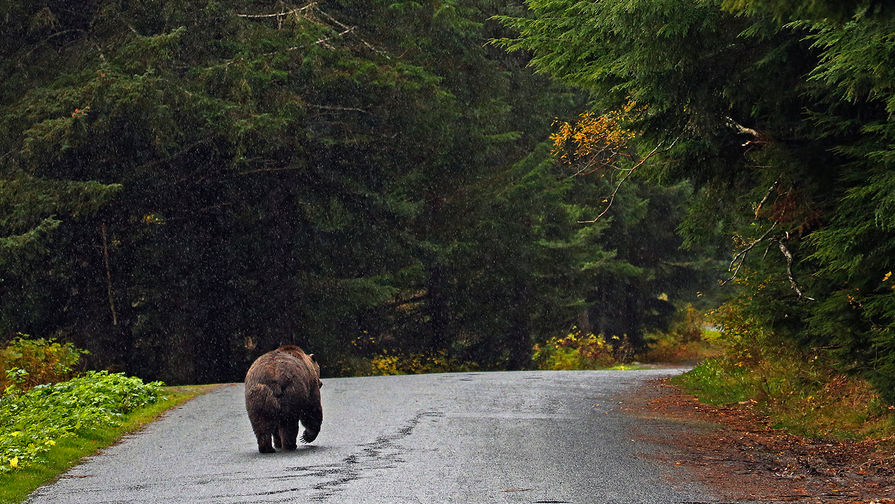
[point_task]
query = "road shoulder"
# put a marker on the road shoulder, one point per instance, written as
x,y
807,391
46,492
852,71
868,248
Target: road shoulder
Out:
x,y
742,457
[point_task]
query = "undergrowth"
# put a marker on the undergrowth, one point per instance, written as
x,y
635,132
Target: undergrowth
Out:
x,y
582,350
67,451
33,421
392,362
688,340
801,390
26,362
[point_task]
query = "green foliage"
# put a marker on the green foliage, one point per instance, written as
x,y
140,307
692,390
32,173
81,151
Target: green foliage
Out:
x,y
217,178
801,393
717,382
32,422
800,389
289,179
15,486
26,362
581,350
794,168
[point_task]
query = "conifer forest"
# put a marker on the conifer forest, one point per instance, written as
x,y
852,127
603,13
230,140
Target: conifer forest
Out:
x,y
185,185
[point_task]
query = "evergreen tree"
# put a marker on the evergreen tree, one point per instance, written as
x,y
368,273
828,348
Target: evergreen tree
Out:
x,y
782,115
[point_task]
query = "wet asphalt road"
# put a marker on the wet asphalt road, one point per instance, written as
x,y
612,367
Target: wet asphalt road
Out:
x,y
515,437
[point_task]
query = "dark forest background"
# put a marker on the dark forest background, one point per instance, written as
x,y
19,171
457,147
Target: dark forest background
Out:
x,y
186,185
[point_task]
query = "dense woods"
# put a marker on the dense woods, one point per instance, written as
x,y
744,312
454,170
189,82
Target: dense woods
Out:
x,y
780,114
185,185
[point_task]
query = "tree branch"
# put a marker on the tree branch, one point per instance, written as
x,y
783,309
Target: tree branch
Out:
x,y
740,257
269,170
766,196
278,14
611,198
792,281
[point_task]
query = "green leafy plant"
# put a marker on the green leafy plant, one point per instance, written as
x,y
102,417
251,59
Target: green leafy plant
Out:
x,y
33,421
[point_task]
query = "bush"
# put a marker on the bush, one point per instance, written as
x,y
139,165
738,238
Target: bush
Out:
x,y
388,363
800,388
32,422
28,362
687,340
580,350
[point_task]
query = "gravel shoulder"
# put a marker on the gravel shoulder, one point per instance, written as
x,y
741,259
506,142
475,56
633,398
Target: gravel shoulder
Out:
x,y
736,452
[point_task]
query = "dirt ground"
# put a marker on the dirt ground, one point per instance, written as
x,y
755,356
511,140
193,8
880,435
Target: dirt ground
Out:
x,y
737,453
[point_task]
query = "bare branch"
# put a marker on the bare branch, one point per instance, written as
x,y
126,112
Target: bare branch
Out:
x,y
740,257
269,170
279,14
339,109
325,39
759,137
766,196
108,275
349,29
611,197
792,281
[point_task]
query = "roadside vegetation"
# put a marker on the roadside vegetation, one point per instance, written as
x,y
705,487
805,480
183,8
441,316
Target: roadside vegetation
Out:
x,y
803,391
686,341
51,415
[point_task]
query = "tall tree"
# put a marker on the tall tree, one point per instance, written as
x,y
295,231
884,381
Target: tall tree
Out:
x,y
782,111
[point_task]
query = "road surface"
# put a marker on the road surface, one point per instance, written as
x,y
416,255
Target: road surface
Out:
x,y
513,437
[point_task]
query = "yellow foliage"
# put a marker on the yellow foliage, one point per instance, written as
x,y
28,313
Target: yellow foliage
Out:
x,y
596,140
579,350
387,363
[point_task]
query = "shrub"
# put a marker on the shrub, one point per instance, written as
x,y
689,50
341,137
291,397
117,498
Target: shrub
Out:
x,y
802,389
687,340
388,363
28,362
32,421
580,350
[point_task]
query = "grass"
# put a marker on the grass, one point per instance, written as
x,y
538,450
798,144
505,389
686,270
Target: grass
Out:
x,y
15,486
802,396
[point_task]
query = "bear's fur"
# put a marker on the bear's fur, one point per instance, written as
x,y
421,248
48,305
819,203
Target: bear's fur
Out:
x,y
282,387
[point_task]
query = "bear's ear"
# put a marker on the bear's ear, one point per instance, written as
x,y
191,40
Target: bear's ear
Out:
x,y
312,357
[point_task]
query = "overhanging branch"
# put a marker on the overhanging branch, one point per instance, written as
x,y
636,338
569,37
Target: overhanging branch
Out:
x,y
611,197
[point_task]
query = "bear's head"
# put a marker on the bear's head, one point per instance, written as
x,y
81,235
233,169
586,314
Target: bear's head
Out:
x,y
308,359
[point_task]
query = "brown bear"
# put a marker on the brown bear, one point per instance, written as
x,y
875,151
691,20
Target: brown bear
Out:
x,y
282,387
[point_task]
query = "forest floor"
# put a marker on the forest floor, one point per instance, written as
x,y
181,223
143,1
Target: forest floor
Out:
x,y
739,454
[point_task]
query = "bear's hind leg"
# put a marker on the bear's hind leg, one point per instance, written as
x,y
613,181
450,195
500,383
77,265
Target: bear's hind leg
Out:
x,y
264,445
289,434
